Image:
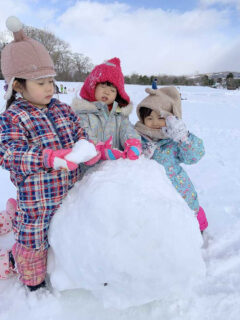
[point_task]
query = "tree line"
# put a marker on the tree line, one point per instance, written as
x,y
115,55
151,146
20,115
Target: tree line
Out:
x,y
71,66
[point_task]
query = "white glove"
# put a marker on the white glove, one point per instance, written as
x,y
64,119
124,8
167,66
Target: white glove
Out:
x,y
149,149
175,129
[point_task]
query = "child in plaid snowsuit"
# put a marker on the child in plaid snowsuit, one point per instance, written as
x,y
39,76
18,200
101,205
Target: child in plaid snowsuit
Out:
x,y
37,134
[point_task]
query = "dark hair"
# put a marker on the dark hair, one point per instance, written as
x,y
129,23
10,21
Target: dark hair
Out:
x,y
144,112
121,102
13,96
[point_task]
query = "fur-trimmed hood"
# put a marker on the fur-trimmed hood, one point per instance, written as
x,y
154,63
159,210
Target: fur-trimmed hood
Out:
x,y
81,105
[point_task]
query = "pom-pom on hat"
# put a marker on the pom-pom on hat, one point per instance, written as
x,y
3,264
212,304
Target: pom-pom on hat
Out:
x,y
24,57
109,71
166,101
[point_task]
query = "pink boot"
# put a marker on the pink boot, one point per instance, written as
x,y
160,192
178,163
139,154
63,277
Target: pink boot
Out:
x,y
7,216
6,267
202,220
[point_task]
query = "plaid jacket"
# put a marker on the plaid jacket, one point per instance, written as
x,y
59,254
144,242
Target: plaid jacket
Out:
x,y
25,131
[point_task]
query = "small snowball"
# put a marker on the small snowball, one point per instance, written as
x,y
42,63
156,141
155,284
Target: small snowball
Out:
x,y
82,151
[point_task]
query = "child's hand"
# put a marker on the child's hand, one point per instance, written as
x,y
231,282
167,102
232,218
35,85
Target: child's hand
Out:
x,y
133,149
56,159
175,129
108,152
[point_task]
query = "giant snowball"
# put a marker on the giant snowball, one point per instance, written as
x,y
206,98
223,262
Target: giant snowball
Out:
x,y
126,226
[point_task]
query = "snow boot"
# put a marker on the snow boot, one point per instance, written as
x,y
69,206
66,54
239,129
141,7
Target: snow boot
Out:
x,y
38,286
7,216
202,219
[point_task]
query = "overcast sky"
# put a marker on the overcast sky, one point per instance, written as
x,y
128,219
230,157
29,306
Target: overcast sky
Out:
x,y
150,37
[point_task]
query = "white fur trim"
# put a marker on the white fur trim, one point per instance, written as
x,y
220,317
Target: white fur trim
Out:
x,y
14,24
43,77
84,105
125,111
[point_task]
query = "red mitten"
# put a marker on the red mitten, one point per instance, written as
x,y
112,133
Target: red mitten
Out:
x,y
133,149
56,159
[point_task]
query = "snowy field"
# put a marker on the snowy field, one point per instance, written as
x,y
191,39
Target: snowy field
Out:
x,y
213,115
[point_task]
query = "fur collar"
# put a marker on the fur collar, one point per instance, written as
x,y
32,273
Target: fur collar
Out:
x,y
81,105
153,134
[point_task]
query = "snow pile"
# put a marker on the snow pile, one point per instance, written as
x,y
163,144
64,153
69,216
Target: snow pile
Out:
x,y
125,225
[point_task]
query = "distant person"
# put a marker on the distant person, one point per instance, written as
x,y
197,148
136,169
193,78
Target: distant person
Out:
x,y
154,84
166,139
104,107
65,90
37,135
61,88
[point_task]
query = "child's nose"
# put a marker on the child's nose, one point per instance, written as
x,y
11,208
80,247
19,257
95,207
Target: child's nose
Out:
x,y
107,91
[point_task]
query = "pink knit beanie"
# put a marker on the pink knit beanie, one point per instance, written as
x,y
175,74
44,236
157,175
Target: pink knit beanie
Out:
x,y
109,71
24,57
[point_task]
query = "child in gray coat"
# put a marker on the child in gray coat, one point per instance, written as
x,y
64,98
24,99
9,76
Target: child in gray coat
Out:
x,y
104,110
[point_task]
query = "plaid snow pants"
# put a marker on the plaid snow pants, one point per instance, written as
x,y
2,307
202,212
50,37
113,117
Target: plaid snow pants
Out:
x,y
31,264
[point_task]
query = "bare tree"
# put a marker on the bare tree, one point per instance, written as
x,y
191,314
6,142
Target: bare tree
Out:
x,y
69,66
81,65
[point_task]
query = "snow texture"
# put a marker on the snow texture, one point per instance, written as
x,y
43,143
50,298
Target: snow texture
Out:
x,y
128,231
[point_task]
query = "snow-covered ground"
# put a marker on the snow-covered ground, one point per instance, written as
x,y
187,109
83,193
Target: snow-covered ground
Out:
x,y
213,115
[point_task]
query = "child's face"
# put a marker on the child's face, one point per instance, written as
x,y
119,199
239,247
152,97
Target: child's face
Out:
x,y
39,92
105,93
154,121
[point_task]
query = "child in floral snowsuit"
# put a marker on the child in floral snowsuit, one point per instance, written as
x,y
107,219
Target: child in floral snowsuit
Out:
x,y
37,134
166,140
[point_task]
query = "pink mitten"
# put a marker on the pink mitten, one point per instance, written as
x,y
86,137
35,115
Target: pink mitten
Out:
x,y
202,220
108,152
56,159
7,216
6,270
95,159
133,149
